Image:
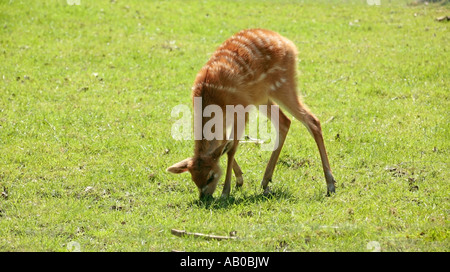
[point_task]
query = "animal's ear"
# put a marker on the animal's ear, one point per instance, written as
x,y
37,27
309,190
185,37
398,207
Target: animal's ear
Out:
x,y
180,167
222,149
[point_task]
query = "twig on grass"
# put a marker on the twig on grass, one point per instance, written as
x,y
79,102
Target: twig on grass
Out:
x,y
181,233
329,120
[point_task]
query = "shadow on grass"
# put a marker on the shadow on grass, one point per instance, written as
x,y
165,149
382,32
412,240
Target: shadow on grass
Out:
x,y
237,199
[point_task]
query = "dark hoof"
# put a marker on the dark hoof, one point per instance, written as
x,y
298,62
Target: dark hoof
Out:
x,y
239,182
225,195
206,200
331,189
267,191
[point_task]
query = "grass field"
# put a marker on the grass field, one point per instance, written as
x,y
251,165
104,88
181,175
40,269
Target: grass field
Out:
x,y
86,93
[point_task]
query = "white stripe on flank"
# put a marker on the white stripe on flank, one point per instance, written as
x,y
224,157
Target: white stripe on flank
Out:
x,y
277,84
249,43
217,64
233,62
271,41
257,39
243,46
235,56
267,39
275,69
261,77
280,44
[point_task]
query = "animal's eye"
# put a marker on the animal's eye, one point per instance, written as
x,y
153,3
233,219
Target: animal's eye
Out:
x,y
211,178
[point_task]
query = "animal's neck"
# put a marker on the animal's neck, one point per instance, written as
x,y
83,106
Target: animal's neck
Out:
x,y
204,146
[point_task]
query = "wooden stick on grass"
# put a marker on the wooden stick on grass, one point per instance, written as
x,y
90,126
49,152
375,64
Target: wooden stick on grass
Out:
x,y
181,233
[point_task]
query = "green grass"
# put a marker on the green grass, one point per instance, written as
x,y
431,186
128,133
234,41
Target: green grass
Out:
x,y
86,94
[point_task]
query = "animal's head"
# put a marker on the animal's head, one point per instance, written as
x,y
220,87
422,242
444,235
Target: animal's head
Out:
x,y
204,168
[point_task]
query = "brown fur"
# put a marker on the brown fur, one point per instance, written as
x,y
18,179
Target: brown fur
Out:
x,y
253,67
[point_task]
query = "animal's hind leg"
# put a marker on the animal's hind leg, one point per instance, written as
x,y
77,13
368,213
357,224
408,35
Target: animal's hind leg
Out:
x,y
313,125
288,97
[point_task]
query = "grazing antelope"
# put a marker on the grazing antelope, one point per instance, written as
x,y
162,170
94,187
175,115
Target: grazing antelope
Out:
x,y
253,67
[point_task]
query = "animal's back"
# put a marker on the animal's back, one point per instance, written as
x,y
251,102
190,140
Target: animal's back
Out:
x,y
248,59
